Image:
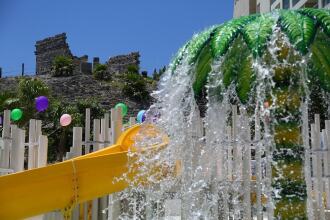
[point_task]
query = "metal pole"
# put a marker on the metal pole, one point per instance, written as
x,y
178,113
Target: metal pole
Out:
x,y
22,69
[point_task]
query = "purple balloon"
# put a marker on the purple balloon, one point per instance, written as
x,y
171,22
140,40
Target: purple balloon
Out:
x,y
42,103
144,116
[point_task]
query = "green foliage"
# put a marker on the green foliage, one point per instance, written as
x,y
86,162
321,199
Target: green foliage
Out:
x,y
24,98
156,75
245,79
29,89
197,43
178,57
203,68
8,100
292,187
60,138
100,72
96,110
144,74
237,69
257,33
62,66
321,15
300,29
135,87
320,65
133,69
226,33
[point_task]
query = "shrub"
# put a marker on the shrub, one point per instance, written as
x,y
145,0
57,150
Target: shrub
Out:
x,y
135,87
8,100
30,88
144,74
157,75
100,72
133,69
62,66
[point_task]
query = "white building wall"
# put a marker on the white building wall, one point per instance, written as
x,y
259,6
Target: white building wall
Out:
x,y
241,8
276,5
246,7
264,6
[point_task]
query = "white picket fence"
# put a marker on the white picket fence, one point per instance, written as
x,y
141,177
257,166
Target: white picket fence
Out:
x,y
317,169
244,170
241,161
248,163
13,147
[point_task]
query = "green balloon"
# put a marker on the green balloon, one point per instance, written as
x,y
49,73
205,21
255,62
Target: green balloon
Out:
x,y
16,114
123,108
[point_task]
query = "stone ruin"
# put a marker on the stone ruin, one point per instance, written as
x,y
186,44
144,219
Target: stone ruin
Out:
x,y
119,64
48,48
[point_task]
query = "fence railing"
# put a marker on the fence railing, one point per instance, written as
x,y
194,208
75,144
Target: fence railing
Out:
x,y
247,162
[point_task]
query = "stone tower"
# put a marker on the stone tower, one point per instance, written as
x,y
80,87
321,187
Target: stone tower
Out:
x,y
47,49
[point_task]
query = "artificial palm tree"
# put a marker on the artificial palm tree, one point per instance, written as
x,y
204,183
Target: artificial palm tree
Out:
x,y
294,47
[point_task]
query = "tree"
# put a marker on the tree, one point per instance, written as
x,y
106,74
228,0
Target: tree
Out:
x,y
156,75
133,69
8,100
29,89
60,138
62,66
100,72
135,87
144,74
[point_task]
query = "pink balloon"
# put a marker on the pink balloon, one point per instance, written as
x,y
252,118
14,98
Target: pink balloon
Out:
x,y
65,120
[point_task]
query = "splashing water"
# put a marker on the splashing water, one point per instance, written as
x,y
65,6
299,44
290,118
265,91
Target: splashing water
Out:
x,y
236,155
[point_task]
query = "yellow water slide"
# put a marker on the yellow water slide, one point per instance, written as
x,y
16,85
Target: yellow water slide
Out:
x,y
63,185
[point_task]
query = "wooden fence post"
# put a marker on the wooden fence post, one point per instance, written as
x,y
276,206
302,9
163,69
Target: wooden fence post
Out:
x,y
132,121
307,166
76,152
77,141
327,162
17,150
246,165
87,130
5,152
42,151
116,129
316,145
32,139
96,147
106,142
258,167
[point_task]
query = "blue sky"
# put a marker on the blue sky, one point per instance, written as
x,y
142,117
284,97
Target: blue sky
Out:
x,y
104,28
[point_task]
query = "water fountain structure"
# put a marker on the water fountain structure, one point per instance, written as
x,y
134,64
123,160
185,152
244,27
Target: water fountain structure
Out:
x,y
239,92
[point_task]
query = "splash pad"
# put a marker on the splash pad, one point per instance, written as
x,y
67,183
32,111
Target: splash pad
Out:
x,y
236,104
245,91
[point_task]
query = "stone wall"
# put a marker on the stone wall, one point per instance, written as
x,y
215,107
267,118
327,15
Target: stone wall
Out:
x,y
47,49
119,64
80,87
51,47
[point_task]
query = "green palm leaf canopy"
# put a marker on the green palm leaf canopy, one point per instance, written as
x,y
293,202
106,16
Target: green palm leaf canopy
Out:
x,y
299,27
